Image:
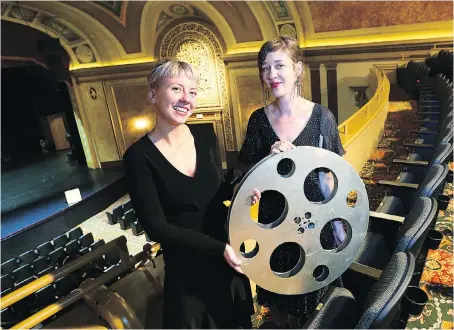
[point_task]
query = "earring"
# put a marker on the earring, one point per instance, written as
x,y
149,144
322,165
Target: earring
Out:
x,y
266,91
298,87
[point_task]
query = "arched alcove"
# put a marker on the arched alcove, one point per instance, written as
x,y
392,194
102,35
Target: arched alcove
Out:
x,y
196,44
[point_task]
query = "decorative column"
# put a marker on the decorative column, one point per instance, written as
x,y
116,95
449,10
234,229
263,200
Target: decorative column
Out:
x,y
315,82
331,78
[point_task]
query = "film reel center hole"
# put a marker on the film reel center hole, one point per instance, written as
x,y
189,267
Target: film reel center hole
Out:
x,y
249,248
309,185
334,242
286,167
272,209
353,198
320,273
291,266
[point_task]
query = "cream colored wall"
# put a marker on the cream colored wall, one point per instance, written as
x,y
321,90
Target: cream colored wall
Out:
x,y
357,74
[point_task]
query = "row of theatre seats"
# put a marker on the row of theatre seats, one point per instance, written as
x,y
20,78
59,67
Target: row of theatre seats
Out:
x,y
125,216
433,66
45,259
381,287
441,64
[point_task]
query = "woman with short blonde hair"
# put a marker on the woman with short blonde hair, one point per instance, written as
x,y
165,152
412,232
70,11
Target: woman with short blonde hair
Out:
x,y
175,187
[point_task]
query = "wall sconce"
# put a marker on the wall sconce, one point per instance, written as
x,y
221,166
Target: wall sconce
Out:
x,y
141,124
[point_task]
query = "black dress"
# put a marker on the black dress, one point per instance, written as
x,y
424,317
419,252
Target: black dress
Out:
x,y
186,215
259,138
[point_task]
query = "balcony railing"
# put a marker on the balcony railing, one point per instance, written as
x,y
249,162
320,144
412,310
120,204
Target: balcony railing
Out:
x,y
354,125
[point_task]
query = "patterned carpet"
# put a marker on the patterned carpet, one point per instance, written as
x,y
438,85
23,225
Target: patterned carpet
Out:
x,y
379,166
437,276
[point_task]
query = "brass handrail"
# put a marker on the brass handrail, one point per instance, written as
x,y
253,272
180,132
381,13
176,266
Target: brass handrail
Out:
x,y
75,295
30,288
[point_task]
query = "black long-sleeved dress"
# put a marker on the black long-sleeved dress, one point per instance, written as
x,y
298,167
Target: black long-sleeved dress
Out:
x,y
259,138
186,215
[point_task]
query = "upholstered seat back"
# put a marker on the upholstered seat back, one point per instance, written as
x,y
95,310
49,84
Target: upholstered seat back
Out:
x,y
383,300
413,231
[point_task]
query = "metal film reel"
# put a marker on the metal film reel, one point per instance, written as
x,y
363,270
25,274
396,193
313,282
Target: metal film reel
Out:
x,y
301,221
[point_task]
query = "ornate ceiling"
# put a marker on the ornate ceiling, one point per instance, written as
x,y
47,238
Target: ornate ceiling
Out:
x,y
103,33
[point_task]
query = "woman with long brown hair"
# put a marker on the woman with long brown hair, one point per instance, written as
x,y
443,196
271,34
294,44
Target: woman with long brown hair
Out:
x,y
289,121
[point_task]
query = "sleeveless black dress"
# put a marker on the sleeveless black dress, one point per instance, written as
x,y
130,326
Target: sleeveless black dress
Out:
x,y
257,145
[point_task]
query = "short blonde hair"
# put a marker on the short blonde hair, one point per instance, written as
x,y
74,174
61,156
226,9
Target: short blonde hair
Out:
x,y
170,68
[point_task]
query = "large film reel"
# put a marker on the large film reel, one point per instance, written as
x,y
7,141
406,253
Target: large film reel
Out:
x,y
301,221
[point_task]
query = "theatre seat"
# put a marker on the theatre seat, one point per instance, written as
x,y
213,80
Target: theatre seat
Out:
x,y
415,171
391,205
342,311
431,141
44,249
367,255
336,299
382,241
405,195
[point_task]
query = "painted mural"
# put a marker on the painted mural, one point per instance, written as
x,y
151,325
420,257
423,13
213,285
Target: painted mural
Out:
x,y
280,10
331,16
61,29
114,7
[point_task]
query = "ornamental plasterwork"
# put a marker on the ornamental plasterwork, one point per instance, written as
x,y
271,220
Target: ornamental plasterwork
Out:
x,y
178,11
78,47
196,44
85,54
198,54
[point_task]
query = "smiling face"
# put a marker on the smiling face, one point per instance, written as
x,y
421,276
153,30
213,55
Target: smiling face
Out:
x,y
280,73
175,99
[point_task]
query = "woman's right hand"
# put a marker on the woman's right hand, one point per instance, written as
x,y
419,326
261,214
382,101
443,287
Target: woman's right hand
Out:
x,y
256,195
232,259
281,146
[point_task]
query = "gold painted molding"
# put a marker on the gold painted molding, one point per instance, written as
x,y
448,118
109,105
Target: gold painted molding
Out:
x,y
239,121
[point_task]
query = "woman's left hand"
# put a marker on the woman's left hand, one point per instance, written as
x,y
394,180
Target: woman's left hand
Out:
x,y
281,146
